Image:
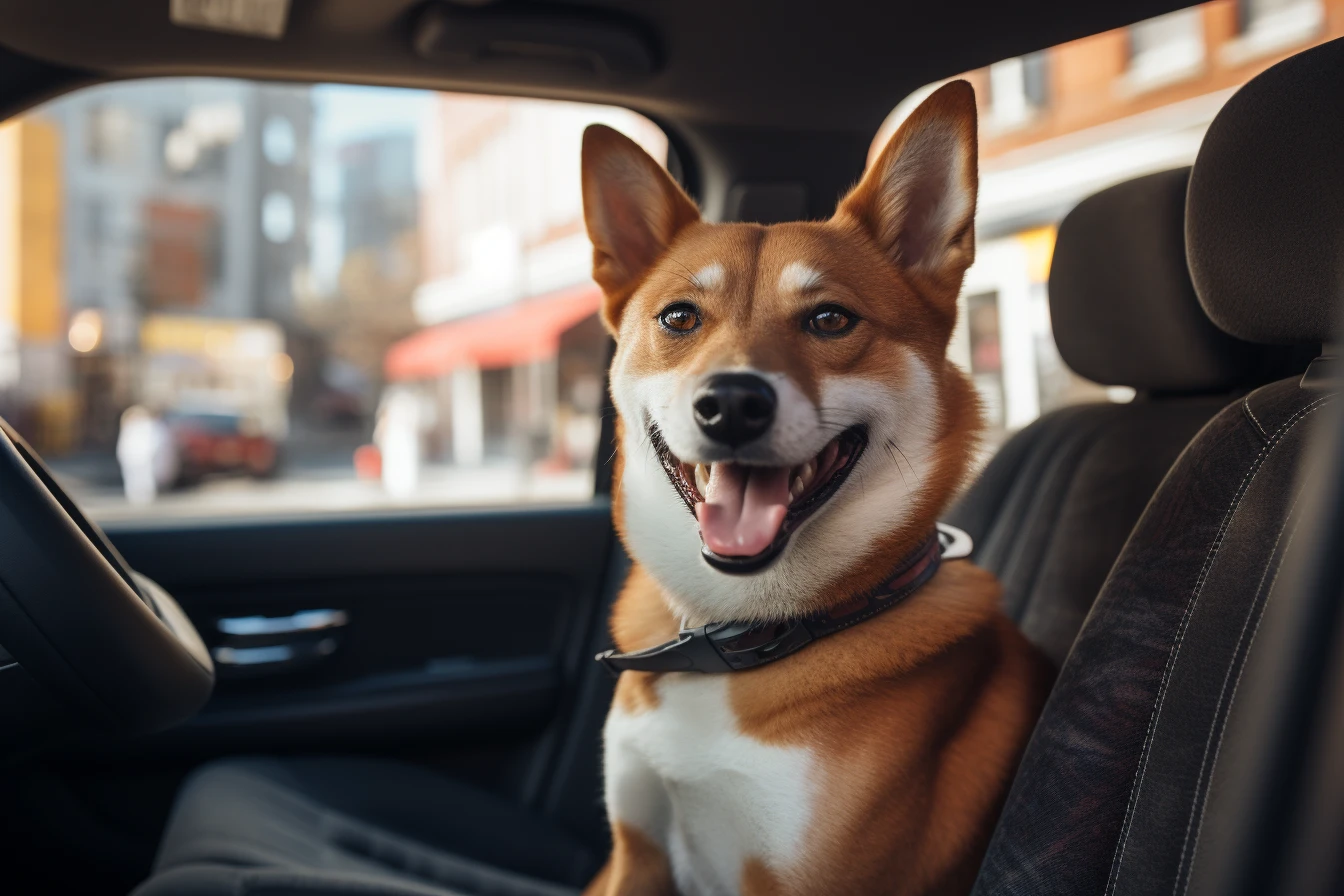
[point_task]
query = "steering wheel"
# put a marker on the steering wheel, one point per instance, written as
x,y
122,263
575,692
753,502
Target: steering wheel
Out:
x,y
91,644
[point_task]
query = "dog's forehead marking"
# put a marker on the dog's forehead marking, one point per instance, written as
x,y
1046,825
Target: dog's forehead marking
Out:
x,y
798,277
711,276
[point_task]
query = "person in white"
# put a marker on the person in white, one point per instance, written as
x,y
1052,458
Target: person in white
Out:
x,y
146,454
397,435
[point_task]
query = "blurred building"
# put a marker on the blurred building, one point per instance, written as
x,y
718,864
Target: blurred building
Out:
x,y
184,199
1063,123
510,353
373,212
282,132
32,334
379,197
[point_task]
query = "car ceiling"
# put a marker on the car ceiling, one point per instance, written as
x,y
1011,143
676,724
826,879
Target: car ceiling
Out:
x,y
784,64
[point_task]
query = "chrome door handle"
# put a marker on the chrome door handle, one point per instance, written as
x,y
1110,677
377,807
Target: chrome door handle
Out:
x,y
261,644
273,655
302,622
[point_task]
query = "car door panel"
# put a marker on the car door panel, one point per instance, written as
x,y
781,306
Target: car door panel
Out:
x,y
364,632
467,646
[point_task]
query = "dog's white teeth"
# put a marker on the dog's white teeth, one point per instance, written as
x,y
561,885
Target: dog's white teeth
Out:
x,y
702,478
809,472
796,488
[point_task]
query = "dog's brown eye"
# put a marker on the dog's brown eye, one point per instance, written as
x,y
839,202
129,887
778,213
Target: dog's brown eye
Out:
x,y
831,320
680,318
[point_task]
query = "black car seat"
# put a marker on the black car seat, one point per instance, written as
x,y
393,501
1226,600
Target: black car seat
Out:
x,y
1053,508
1121,788
1051,513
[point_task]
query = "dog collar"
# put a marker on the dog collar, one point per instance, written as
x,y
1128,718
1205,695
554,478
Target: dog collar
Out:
x,y
734,646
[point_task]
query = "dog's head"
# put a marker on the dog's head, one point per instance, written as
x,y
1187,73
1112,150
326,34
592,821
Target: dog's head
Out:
x,y
789,423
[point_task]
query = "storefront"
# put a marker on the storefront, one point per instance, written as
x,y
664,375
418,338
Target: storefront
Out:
x,y
521,383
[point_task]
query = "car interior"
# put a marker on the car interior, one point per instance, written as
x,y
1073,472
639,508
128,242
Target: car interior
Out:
x,y
438,730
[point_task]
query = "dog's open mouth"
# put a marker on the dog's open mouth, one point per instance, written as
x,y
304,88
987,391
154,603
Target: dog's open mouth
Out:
x,y
747,513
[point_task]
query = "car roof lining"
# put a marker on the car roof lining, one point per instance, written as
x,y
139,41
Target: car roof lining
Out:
x,y
841,65
781,97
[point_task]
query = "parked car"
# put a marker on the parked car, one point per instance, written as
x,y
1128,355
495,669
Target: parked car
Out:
x,y
219,442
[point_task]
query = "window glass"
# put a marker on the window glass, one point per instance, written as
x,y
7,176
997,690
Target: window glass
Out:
x,y
1015,90
1167,48
1064,123
236,297
1267,25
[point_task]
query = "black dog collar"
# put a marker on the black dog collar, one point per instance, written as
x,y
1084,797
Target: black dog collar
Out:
x,y
733,646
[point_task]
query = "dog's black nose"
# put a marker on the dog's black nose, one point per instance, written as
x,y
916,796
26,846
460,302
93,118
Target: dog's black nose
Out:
x,y
734,408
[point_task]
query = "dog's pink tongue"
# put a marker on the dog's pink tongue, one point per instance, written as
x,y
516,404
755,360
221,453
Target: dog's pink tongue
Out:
x,y
743,508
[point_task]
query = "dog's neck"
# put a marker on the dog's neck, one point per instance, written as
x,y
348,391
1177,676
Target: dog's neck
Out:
x,y
859,577
738,646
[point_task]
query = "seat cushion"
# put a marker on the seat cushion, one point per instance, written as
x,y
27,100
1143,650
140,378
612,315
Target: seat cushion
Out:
x,y
1112,785
229,880
370,817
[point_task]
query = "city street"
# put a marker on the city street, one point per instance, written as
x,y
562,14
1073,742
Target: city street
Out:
x,y
320,489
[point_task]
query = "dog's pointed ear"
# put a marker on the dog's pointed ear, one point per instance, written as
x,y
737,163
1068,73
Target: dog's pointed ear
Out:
x,y
632,208
917,201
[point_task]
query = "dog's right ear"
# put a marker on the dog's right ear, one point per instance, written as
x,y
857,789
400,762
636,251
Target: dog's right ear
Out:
x,y
632,208
917,200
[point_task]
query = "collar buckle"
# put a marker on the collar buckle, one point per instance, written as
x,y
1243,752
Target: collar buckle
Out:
x,y
746,646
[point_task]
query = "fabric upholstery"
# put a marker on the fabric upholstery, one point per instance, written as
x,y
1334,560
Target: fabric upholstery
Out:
x,y
1052,510
1112,795
1122,307
1112,783
1217,631
1265,227
368,817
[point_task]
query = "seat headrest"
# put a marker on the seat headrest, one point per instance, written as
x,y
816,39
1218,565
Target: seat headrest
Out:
x,y
1265,217
1122,306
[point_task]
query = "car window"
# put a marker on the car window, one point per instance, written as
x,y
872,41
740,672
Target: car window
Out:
x,y
225,296
235,297
1065,122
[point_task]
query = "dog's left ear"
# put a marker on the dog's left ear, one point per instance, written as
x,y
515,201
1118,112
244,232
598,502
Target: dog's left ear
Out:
x,y
632,208
917,201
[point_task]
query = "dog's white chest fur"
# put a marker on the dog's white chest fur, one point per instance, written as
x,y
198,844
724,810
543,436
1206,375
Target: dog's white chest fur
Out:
x,y
710,796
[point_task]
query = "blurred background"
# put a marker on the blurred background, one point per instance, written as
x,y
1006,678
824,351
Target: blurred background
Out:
x,y
234,297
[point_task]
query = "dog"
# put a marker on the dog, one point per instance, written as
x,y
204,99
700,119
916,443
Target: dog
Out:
x,y
788,430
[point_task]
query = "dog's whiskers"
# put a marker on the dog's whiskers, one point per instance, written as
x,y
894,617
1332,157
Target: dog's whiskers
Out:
x,y
891,450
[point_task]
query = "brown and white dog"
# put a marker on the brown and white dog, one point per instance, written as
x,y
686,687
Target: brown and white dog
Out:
x,y
789,429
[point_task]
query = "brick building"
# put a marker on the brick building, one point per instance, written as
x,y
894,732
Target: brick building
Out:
x,y
1062,123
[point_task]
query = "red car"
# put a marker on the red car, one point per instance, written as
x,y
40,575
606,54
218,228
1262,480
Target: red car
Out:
x,y
221,443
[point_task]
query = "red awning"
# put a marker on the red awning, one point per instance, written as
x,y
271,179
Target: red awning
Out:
x,y
517,334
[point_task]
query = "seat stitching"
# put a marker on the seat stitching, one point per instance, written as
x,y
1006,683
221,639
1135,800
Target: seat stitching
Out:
x,y
1207,765
1174,651
1246,404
